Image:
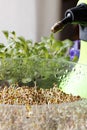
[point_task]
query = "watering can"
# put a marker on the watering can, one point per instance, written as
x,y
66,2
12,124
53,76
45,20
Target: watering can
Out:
x,y
76,81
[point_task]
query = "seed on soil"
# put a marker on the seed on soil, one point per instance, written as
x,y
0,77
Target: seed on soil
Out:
x,y
32,95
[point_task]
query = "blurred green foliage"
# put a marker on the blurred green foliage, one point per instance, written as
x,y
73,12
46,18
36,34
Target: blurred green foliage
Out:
x,y
23,61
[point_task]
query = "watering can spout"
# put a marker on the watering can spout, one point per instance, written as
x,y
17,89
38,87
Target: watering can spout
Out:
x,y
61,24
75,15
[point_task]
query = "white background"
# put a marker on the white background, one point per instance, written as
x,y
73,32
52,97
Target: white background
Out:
x,y
29,18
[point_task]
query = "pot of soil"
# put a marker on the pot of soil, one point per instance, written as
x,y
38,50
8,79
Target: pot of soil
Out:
x,y
42,105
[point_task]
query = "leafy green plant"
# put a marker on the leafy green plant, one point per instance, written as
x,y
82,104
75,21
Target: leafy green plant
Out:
x,y
23,61
19,47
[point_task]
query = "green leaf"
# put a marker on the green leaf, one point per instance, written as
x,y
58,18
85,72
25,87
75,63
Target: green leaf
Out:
x,y
26,80
75,59
1,55
57,44
67,42
2,45
29,41
6,34
22,39
13,32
